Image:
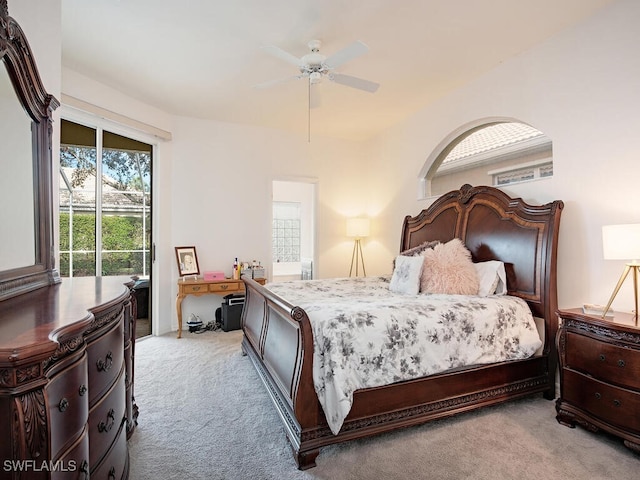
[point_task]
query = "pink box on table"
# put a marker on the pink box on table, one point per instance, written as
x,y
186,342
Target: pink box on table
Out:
x,y
216,275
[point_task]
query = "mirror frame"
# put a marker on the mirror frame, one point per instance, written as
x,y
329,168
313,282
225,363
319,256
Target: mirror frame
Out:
x,y
39,106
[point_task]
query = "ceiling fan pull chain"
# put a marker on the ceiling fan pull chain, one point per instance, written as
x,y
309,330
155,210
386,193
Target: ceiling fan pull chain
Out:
x,y
309,112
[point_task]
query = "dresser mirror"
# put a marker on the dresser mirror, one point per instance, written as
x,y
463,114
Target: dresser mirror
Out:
x,y
26,221
17,220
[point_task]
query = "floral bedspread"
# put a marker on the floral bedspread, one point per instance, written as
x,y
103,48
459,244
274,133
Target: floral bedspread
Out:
x,y
366,336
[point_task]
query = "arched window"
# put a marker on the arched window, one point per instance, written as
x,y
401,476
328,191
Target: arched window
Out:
x,y
494,153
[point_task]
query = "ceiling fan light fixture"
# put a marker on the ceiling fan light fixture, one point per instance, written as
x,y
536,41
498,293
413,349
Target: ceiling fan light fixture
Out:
x,y
313,59
315,77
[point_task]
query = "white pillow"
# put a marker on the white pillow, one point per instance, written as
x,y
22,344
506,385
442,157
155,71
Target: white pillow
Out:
x,y
493,278
406,275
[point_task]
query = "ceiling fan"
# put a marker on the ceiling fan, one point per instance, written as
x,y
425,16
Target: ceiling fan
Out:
x,y
316,66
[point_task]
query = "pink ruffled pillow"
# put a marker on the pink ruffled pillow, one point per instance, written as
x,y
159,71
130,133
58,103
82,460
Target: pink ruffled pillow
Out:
x,y
448,269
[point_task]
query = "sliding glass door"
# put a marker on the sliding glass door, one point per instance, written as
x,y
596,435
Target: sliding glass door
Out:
x,y
105,205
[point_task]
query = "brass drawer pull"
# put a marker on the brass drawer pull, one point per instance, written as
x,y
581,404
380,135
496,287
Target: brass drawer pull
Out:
x,y
82,390
621,363
105,365
84,468
598,396
617,403
224,286
63,405
108,425
195,289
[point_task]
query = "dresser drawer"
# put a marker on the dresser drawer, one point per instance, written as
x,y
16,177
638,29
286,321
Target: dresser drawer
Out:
x,y
226,287
105,359
74,464
614,405
67,399
105,420
603,360
116,462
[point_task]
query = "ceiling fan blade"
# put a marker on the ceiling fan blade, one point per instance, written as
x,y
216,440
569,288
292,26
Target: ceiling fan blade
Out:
x,y
347,53
278,81
354,82
282,55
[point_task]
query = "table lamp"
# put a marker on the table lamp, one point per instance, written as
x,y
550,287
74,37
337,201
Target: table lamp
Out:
x,y
357,228
622,242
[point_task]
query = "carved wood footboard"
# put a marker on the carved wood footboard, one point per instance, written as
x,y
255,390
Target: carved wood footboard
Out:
x,y
279,342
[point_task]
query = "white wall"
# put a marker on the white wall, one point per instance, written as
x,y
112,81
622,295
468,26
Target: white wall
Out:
x,y
581,89
221,194
40,22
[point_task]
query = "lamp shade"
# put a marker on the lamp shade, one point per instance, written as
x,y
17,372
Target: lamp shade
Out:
x,y
358,227
621,242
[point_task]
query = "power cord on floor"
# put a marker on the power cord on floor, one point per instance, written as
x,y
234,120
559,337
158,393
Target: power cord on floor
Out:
x,y
210,326
196,325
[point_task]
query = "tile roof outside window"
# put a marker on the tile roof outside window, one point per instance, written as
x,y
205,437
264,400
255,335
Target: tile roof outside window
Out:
x,y
490,138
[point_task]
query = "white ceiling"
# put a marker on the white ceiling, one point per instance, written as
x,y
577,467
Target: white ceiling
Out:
x,y
202,58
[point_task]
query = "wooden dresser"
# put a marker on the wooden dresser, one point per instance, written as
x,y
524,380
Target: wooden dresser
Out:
x,y
66,380
600,374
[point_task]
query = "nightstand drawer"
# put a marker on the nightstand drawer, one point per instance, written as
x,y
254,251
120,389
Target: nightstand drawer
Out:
x,y
605,361
226,287
616,406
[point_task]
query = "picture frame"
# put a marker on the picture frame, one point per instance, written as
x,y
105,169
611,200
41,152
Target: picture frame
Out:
x,y
187,261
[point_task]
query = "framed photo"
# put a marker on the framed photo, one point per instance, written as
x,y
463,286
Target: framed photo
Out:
x,y
187,261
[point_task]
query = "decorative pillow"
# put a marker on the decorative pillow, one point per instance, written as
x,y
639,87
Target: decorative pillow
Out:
x,y
448,269
492,277
406,275
412,252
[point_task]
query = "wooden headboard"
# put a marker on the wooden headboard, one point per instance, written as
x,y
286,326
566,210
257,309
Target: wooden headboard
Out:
x,y
495,226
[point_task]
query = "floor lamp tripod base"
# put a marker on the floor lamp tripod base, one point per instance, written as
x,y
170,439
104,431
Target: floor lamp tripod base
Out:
x,y
357,258
628,268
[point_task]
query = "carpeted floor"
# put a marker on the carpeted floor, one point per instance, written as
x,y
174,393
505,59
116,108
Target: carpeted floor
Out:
x,y
204,414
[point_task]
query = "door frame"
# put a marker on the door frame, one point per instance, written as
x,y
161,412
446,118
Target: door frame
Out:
x,y
313,183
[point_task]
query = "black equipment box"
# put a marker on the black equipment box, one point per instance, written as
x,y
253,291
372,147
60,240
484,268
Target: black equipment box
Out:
x,y
232,312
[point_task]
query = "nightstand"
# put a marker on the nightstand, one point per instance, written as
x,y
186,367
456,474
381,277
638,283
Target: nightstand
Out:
x,y
600,374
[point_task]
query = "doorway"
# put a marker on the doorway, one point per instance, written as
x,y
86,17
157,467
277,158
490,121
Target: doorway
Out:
x,y
293,233
105,209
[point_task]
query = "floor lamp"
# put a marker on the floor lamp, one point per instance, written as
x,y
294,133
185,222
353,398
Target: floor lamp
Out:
x,y
359,229
622,242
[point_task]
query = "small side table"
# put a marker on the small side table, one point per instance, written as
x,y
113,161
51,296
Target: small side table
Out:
x,y
600,374
199,286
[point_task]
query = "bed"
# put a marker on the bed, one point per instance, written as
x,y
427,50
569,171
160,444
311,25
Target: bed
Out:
x,y
278,334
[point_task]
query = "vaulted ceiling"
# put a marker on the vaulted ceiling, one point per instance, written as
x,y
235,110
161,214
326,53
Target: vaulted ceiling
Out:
x,y
203,58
